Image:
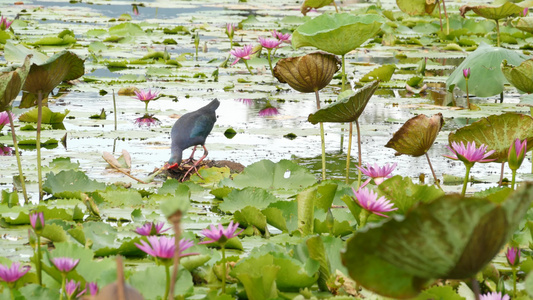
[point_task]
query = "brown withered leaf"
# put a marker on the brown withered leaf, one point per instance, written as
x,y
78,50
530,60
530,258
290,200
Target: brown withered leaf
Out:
x,y
308,73
417,135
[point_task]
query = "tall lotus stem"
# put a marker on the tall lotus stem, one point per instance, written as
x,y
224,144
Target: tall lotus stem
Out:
x,y
433,172
63,281
466,179
167,284
349,153
440,18
360,155
15,144
343,72
38,265
501,174
197,43
248,67
176,221
513,268
115,110
447,19
270,61
498,33
466,75
336,8
38,142
322,139
223,248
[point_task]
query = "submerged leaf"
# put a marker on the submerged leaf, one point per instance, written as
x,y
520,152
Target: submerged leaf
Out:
x,y
521,76
498,132
348,108
308,73
417,135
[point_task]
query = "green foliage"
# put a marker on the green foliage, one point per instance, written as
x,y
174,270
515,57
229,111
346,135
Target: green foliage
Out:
x,y
70,184
48,116
405,194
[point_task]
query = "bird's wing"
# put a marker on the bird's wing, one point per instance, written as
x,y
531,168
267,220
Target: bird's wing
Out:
x,y
202,126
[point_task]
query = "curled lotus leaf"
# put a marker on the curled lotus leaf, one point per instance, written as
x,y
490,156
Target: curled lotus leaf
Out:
x,y
521,77
337,33
417,135
524,24
310,4
452,237
348,107
11,83
493,12
498,132
308,73
417,7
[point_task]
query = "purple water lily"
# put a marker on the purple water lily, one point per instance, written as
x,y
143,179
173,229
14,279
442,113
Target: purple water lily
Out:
x,y
65,264
379,174
13,273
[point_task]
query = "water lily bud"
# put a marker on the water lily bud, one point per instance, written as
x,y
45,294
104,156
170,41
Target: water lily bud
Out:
x,y
466,73
230,30
525,11
513,256
37,221
516,154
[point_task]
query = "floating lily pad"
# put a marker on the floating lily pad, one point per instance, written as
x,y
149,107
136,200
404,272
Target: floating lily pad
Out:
x,y
239,199
458,238
349,106
382,73
417,135
337,33
48,116
309,4
70,183
520,76
498,132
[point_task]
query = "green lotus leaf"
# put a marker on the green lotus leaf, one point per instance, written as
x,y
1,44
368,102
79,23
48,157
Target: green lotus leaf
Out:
x,y
524,24
126,29
337,33
70,183
11,83
452,237
417,135
498,132
521,77
416,7
348,107
309,4
405,194
44,78
486,77
308,73
48,116
250,196
382,73
493,12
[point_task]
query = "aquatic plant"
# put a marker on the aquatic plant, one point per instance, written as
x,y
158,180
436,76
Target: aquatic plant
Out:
x,y
244,54
146,95
269,44
517,153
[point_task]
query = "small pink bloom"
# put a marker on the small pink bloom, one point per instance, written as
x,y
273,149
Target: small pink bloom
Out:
x,y
369,201
4,24
517,153
71,287
230,30
269,43
243,53
513,256
151,228
469,154
525,11
135,10
146,94
493,296
6,151
379,174
13,273
164,247
34,217
284,37
92,288
466,73
65,264
4,118
220,234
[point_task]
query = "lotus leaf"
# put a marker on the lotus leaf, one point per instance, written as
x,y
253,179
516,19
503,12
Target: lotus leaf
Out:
x,y
309,4
382,73
239,199
11,83
450,238
524,24
521,76
405,194
348,108
48,116
69,184
44,78
337,33
498,132
416,7
308,73
486,77
493,12
417,135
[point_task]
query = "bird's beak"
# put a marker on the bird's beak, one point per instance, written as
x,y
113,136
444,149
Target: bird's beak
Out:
x,y
170,166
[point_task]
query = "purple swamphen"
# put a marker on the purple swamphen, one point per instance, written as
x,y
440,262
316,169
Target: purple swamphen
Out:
x,y
191,130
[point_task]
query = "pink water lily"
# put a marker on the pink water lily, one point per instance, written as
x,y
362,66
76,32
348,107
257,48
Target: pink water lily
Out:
x,y
4,118
92,288
13,273
284,37
71,287
513,256
4,24
269,43
146,95
34,217
65,264
369,201
164,247
268,112
494,296
230,30
6,151
151,228
517,153
246,101
466,73
242,53
470,154
525,11
220,234
379,174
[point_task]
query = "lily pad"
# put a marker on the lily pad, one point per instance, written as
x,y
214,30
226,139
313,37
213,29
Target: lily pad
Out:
x,y
493,12
382,73
70,183
348,107
416,7
309,4
521,77
524,24
486,77
458,238
498,132
48,116
337,33
417,135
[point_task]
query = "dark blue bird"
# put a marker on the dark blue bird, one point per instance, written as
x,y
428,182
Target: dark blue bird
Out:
x,y
191,130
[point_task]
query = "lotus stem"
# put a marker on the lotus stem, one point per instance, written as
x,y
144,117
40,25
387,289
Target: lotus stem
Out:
x,y
322,139
467,95
446,15
348,154
38,142
176,221
270,61
63,281
146,106
514,281
38,265
248,67
498,33
343,73
466,180
121,289
440,19
433,172
336,8
115,109
11,292
223,248
360,156
475,288
514,178
167,284
363,217
15,144
501,174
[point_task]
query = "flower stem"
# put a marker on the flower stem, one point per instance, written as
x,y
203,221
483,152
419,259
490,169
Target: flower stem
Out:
x,y
322,139
39,259
176,221
12,293
248,67
146,106
433,172
446,16
349,153
360,155
363,217
466,180
223,247
63,281
467,96
514,281
270,61
38,142
167,284
514,178
115,111
21,176
498,32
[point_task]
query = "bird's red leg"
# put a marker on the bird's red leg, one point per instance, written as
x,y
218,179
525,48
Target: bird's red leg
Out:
x,y
190,159
196,164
